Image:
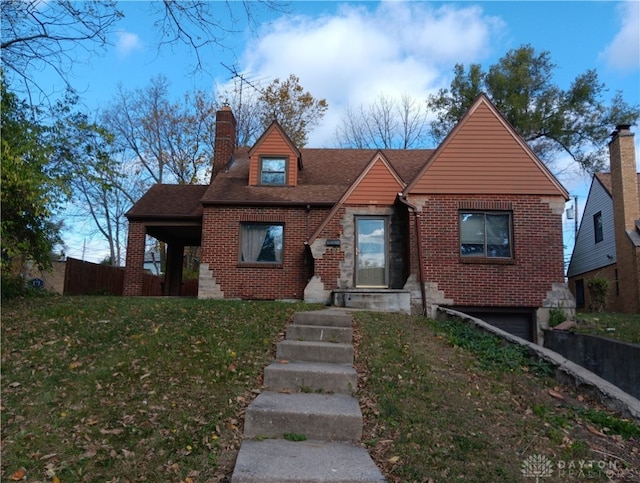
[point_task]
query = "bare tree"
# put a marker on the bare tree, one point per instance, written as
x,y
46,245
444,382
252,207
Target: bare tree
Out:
x,y
103,197
170,141
387,123
38,34
242,96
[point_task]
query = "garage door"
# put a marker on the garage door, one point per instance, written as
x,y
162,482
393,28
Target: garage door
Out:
x,y
519,323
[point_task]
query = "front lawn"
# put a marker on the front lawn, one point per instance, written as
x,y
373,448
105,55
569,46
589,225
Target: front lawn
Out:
x,y
130,389
113,389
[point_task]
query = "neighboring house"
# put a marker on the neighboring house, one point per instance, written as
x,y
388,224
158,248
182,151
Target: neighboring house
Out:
x,y
475,224
608,241
152,262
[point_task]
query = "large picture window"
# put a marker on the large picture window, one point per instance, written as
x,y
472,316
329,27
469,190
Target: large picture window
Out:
x,y
485,235
261,242
273,171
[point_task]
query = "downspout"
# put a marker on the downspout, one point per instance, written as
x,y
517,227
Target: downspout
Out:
x,y
416,214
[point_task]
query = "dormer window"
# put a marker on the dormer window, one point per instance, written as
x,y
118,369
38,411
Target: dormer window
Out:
x,y
273,171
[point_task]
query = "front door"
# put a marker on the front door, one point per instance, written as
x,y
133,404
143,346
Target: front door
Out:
x,y
371,252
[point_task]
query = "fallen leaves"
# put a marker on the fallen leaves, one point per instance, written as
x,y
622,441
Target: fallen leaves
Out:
x,y
19,474
556,394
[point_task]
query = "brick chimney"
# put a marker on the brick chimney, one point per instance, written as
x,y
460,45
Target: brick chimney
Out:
x,y
624,179
626,211
225,143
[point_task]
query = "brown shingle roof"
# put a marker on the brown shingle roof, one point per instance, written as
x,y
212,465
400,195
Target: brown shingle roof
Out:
x,y
169,200
327,174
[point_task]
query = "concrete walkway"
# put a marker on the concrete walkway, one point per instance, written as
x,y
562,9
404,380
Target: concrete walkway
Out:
x,y
306,426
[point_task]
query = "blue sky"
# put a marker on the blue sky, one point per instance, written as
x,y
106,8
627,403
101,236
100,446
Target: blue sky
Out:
x,y
350,52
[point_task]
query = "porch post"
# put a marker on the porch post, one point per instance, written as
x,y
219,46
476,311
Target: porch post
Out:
x,y
134,267
173,276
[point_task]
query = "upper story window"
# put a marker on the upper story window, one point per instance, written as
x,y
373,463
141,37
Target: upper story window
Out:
x,y
273,171
597,227
261,242
486,235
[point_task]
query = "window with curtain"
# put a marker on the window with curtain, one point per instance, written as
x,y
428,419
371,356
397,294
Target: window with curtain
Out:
x,y
273,171
261,242
486,235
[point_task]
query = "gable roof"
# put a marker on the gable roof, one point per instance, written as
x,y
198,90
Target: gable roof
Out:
x,y
484,155
388,184
327,175
377,177
275,126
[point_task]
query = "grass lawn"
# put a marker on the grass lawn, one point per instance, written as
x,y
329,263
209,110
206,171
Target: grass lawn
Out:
x,y
444,403
623,327
130,389
106,389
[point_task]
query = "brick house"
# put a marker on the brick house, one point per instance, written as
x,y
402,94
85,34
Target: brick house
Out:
x,y
475,224
608,241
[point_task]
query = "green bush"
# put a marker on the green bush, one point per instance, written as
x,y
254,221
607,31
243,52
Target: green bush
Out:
x,y
14,286
598,288
556,316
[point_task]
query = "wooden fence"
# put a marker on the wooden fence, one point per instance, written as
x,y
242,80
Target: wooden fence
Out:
x,y
86,278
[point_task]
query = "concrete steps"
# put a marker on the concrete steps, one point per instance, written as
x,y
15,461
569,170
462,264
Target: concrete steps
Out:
x,y
311,377
333,417
310,351
308,396
324,318
320,333
312,461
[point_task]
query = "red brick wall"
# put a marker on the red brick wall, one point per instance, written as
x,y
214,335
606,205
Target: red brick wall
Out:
x,y
524,282
134,269
221,245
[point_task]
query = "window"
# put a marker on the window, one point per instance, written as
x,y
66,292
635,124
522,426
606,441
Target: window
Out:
x,y
597,226
273,171
261,242
485,235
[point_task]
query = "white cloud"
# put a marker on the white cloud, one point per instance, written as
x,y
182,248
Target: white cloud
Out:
x,y
127,42
355,55
623,53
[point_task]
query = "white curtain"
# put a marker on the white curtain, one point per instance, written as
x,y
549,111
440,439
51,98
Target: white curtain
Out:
x,y
277,241
252,240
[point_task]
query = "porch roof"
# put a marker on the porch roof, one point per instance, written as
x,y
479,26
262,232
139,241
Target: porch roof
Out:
x,y
169,201
171,213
